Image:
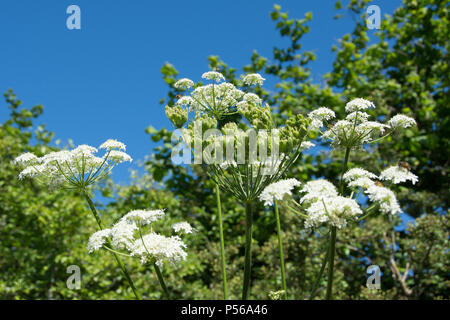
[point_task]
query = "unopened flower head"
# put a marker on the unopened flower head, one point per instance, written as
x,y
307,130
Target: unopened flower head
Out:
x,y
278,190
397,174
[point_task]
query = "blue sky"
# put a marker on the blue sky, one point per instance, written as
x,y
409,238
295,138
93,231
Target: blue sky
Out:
x,y
104,80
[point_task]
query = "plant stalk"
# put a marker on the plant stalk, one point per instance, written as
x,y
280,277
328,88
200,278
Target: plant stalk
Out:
x,y
161,281
248,249
329,295
280,245
222,243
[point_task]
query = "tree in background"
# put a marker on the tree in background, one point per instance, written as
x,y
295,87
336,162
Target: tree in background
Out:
x,y
403,70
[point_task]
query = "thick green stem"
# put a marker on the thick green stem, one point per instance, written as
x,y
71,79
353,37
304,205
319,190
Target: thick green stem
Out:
x,y
248,249
319,275
280,245
332,251
222,244
161,281
119,261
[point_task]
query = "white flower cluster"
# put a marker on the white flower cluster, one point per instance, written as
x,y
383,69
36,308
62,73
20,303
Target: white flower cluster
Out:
x,y
376,192
253,79
397,174
355,129
152,247
219,98
76,168
323,205
278,190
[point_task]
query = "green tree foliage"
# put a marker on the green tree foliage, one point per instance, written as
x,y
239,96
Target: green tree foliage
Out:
x,y
403,68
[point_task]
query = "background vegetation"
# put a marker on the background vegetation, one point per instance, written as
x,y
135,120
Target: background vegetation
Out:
x,y
403,69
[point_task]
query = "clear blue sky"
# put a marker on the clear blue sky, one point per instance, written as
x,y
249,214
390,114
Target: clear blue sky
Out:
x,y
103,81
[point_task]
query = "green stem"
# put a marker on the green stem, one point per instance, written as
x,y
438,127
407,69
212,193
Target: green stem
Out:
x,y
119,261
332,251
280,245
319,276
161,281
248,249
222,243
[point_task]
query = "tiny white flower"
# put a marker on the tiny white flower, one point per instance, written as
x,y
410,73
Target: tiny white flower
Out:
x,y
184,83
213,75
385,198
119,156
253,78
98,239
182,226
143,217
25,158
356,173
397,174
400,120
278,190
358,104
113,144
307,145
321,114
317,189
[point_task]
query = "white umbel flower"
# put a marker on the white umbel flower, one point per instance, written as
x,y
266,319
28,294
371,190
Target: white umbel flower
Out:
x,y
119,156
397,174
213,75
332,210
305,145
184,83
253,78
385,198
322,113
278,190
317,189
158,248
143,217
25,158
357,173
122,234
97,240
113,144
400,120
182,226
363,182
358,104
